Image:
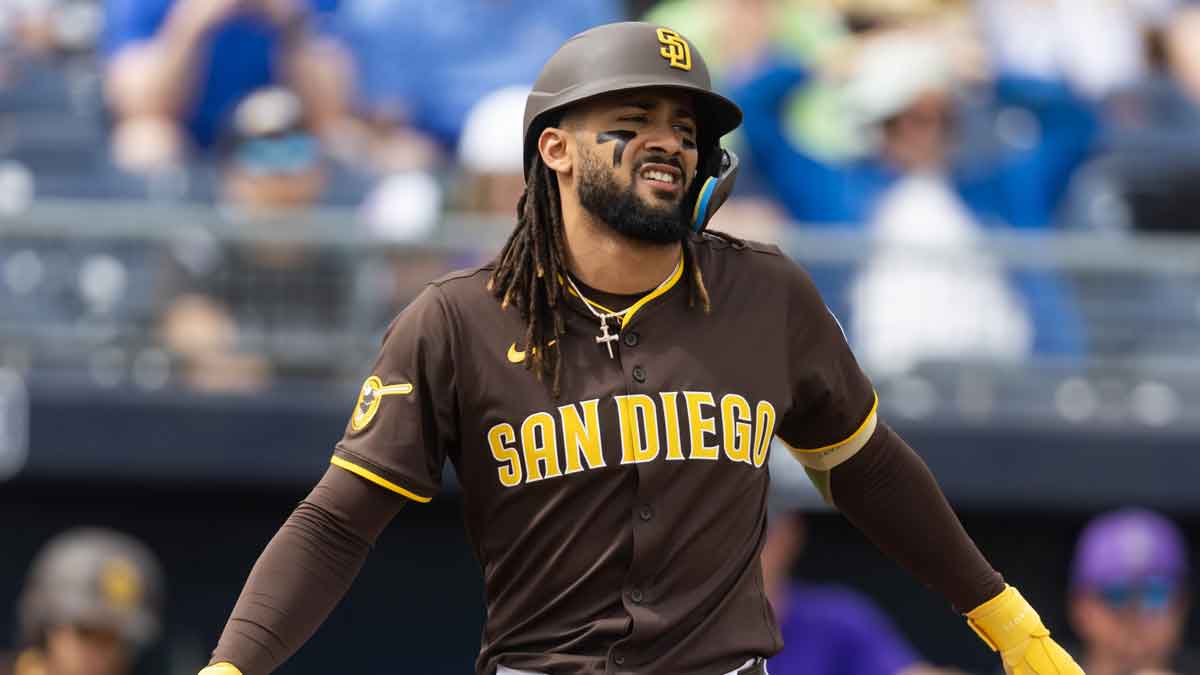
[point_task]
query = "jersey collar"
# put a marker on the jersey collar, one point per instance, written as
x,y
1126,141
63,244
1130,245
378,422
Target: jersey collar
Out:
x,y
670,283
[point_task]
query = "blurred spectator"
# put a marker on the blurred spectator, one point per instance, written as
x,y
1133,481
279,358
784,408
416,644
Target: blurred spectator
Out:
x,y
1146,178
52,27
203,338
90,605
1165,103
226,334
1181,51
901,93
177,69
1096,46
425,64
1130,595
914,190
490,153
827,629
269,160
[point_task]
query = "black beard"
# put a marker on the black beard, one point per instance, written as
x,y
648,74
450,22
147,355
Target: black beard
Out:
x,y
623,210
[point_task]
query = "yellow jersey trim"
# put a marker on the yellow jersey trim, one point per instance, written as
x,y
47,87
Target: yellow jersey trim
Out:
x,y
597,305
377,479
868,422
668,285
675,276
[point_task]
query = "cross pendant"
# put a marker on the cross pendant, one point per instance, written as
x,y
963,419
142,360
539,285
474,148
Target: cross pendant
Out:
x,y
606,338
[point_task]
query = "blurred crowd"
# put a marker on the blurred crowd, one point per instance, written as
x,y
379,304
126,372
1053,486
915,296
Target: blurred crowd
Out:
x,y
924,125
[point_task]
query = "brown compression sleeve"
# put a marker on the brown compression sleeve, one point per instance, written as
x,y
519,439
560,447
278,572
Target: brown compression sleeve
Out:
x,y
890,495
305,570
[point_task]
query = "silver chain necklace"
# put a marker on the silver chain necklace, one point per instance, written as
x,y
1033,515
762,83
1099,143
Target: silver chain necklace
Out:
x,y
605,338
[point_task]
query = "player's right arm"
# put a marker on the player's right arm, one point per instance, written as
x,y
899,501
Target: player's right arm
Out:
x,y
303,573
392,453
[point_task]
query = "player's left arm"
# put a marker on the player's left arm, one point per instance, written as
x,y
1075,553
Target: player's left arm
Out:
x,y
889,494
884,488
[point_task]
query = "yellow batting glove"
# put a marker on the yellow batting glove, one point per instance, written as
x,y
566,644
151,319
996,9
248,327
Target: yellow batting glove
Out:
x,y
223,668
1009,625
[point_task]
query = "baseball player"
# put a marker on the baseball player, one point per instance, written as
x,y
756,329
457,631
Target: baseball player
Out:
x,y
607,390
90,605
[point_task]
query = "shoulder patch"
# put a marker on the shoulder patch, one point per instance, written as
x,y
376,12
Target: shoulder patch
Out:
x,y
369,398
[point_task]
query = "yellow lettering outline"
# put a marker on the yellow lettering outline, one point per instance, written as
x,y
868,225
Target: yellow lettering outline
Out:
x,y
671,426
738,430
633,450
546,451
764,423
505,451
699,425
581,436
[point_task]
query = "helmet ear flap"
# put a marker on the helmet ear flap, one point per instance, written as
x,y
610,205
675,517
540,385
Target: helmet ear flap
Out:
x,y
712,187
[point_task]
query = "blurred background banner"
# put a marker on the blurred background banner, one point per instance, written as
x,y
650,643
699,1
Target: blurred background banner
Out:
x,y
210,210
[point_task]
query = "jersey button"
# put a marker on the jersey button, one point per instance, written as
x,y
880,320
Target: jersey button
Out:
x,y
639,373
645,513
636,595
630,339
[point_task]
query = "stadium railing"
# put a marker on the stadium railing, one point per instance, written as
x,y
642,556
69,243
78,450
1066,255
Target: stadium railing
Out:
x,y
122,316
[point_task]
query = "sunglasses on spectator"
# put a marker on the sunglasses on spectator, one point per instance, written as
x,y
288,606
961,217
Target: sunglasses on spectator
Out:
x,y
278,155
1153,595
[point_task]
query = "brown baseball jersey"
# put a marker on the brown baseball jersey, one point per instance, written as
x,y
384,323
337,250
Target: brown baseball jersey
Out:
x,y
618,526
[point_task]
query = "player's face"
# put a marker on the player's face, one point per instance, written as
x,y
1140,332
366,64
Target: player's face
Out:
x,y
81,650
636,156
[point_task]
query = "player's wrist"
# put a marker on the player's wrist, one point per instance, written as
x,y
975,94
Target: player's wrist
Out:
x,y
1009,625
1006,620
222,668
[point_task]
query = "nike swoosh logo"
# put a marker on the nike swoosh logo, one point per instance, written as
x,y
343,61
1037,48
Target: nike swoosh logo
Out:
x,y
515,356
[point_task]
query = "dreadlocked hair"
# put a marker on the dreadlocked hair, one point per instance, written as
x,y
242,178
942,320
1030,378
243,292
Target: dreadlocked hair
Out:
x,y
533,262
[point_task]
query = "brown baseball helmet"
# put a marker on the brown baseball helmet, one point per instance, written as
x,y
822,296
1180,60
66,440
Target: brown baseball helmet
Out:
x,y
94,577
632,55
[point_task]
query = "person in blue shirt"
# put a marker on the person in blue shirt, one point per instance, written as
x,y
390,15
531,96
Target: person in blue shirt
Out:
x,y
913,121
427,63
176,69
902,100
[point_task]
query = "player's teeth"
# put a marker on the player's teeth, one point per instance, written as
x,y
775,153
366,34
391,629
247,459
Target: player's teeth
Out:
x,y
660,176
